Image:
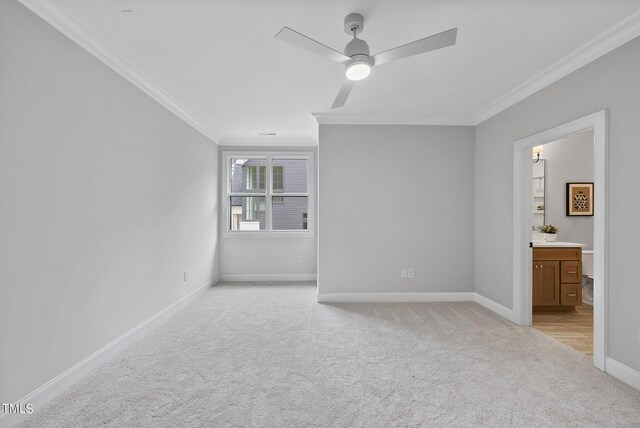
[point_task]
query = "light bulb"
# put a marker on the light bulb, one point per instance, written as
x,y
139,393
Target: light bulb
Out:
x,y
358,70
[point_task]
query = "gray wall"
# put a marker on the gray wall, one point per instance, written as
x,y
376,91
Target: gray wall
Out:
x,y
611,82
106,198
394,197
568,160
246,257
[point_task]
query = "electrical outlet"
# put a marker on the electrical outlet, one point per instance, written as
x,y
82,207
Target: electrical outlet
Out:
x,y
410,273
403,273
299,259
184,276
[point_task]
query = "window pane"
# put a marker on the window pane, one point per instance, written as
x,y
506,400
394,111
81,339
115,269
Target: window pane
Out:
x,y
289,175
248,213
290,213
278,178
248,175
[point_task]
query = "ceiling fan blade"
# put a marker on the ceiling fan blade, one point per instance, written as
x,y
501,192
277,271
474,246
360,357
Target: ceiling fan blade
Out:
x,y
431,43
300,40
343,94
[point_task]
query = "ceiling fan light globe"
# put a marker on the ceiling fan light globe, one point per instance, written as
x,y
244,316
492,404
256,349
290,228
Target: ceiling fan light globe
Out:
x,y
358,70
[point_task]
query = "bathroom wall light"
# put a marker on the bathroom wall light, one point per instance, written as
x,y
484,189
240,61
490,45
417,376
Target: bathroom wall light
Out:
x,y
537,150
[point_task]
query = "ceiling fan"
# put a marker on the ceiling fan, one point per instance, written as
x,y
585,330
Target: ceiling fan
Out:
x,y
356,58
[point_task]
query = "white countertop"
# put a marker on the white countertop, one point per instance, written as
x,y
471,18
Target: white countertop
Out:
x,y
556,244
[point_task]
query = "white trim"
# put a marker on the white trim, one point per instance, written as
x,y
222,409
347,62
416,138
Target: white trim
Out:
x,y
58,384
267,277
266,234
522,301
346,119
462,296
494,306
456,296
53,13
624,373
522,212
600,238
614,37
317,225
269,141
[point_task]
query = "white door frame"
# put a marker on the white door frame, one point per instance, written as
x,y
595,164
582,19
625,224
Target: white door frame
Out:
x,y
522,220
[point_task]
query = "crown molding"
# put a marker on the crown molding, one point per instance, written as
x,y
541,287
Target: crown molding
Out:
x,y
612,38
269,141
52,13
347,119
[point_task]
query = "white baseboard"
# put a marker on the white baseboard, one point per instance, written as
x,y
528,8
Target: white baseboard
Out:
x,y
266,277
493,306
58,384
624,373
417,297
395,297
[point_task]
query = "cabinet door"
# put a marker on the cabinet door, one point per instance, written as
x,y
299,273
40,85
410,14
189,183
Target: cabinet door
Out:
x,y
546,283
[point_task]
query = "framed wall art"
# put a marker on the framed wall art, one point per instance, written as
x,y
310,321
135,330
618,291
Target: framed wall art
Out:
x,y
580,199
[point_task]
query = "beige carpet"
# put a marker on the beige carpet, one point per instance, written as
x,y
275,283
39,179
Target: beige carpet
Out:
x,y
268,355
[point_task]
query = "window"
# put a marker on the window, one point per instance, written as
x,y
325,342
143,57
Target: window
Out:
x,y
268,192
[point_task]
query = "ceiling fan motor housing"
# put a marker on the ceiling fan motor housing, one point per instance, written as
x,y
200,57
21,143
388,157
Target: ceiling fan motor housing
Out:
x,y
356,47
358,51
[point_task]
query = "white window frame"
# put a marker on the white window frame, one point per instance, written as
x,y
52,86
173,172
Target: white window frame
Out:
x,y
268,193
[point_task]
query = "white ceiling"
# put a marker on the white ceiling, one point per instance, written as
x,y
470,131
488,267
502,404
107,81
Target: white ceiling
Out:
x,y
220,62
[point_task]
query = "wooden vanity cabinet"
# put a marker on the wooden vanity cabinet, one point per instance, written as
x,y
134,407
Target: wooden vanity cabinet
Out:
x,y
557,278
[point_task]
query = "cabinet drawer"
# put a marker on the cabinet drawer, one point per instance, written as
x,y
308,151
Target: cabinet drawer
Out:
x,y
571,271
543,253
570,294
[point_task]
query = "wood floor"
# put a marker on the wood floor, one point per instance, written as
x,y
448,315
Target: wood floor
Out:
x,y
572,328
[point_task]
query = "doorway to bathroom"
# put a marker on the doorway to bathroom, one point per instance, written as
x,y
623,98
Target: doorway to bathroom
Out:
x,y
560,182
562,283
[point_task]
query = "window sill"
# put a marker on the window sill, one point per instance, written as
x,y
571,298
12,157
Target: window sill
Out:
x,y
264,234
